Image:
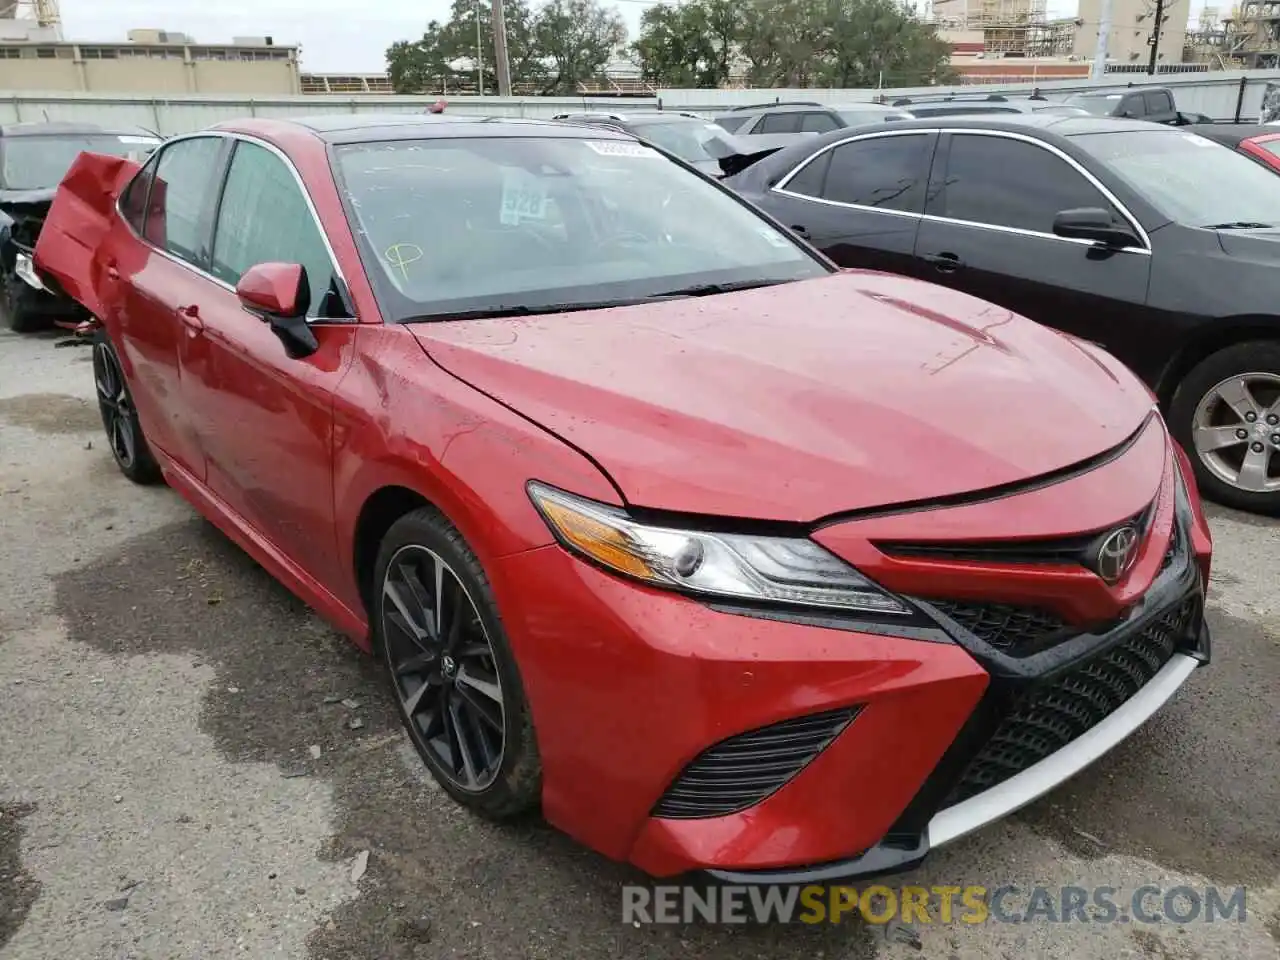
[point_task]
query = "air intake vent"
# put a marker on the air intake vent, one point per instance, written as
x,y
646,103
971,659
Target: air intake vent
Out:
x,y
740,772
1051,715
1017,631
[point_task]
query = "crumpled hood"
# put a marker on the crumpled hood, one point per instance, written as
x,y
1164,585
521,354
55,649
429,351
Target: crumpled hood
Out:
x,y
801,400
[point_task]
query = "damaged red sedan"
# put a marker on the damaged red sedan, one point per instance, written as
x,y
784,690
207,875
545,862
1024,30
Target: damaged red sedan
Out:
x,y
727,559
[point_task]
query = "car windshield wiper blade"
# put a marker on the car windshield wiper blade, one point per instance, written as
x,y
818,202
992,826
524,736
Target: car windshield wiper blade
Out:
x,y
706,289
523,310
1240,225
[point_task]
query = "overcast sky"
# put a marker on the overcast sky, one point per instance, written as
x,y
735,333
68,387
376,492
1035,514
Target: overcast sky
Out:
x,y
336,35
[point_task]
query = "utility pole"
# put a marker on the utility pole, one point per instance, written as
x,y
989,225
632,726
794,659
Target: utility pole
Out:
x,y
503,65
479,54
1155,38
1099,69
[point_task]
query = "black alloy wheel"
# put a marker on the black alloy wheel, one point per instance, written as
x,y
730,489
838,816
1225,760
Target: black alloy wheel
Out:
x,y
455,681
119,418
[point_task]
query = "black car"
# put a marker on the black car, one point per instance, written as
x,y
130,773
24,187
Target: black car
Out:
x,y
33,159
1157,243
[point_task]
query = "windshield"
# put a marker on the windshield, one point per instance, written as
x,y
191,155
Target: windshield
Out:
x,y
40,162
1189,178
1098,106
688,141
468,226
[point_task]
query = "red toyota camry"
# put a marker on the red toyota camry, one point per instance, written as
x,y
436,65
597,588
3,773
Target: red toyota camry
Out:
x,y
726,558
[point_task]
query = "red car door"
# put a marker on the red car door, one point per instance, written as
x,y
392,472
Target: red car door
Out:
x,y
264,420
154,263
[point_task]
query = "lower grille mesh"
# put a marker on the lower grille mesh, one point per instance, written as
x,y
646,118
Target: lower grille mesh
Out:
x,y
1050,715
740,772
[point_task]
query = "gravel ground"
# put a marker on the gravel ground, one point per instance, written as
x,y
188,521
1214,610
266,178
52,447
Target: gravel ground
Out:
x,y
163,702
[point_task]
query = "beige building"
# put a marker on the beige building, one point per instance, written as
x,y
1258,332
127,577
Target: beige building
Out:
x,y
152,62
1131,23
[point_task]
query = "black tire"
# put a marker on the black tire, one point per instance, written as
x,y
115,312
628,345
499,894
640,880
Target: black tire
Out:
x,y
514,786
120,421
1258,357
18,310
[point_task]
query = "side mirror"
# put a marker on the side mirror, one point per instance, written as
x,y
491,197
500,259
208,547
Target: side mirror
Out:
x,y
1093,223
278,293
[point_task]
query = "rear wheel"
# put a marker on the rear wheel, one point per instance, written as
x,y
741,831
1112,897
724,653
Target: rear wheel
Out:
x,y
1226,414
120,418
451,669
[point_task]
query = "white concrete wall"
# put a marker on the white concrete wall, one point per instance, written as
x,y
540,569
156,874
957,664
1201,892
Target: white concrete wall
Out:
x,y
1215,94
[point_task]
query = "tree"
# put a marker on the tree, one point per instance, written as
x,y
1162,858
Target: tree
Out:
x,y
691,45
418,66
578,37
446,55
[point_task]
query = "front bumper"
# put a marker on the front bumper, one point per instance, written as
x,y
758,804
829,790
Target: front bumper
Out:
x,y
638,692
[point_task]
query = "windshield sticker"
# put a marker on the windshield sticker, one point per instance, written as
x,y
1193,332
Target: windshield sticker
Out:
x,y
774,237
1198,140
150,141
621,148
524,197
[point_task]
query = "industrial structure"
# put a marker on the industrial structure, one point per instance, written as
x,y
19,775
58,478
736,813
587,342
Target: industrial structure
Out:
x,y
1252,34
35,56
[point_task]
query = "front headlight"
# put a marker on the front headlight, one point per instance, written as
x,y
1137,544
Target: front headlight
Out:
x,y
784,570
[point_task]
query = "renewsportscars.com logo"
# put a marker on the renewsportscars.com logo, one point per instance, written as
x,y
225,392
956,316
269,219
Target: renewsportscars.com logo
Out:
x,y
879,904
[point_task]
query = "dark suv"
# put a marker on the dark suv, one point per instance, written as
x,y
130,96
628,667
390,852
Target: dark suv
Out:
x,y
33,159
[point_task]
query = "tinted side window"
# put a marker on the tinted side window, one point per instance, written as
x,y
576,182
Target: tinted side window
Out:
x,y
884,172
265,218
1158,101
812,176
133,202
817,123
185,181
1010,183
780,123
731,123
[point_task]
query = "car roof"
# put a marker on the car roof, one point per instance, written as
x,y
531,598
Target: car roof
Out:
x,y
67,128
1055,124
367,128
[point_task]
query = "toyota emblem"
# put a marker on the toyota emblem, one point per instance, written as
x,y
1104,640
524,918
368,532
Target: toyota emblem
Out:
x,y
1116,554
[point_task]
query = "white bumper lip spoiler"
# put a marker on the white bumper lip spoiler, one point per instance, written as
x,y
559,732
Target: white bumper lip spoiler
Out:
x,y
1035,781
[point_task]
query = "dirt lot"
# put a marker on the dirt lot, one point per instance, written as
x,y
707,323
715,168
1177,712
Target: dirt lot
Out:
x,y
162,699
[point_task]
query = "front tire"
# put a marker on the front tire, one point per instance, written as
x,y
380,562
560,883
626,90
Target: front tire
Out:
x,y
18,310
120,418
455,680
1226,415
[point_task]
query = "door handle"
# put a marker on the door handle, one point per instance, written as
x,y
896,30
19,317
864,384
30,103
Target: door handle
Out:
x,y
190,317
800,231
944,262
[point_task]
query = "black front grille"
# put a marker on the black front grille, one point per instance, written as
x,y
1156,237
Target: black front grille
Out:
x,y
1017,631
1048,716
740,772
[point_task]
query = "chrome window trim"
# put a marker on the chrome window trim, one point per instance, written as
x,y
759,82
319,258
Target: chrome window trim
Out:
x,y
306,195
1111,198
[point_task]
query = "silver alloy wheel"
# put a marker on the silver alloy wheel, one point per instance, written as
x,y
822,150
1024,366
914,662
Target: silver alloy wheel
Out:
x,y
1236,431
443,665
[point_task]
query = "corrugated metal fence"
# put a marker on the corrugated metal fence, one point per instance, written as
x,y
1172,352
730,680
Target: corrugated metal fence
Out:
x,y
1231,95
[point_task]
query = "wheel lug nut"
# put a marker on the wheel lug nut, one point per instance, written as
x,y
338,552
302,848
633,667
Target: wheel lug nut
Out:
x,y
1255,447
1242,434
1275,439
1251,416
1272,419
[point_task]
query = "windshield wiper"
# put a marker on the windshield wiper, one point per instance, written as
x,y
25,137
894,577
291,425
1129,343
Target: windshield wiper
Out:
x,y
524,310
707,289
1240,225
